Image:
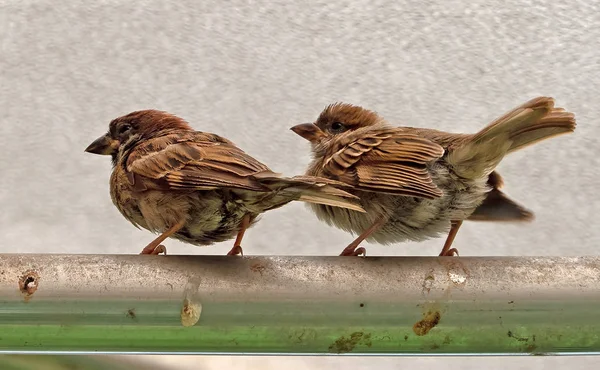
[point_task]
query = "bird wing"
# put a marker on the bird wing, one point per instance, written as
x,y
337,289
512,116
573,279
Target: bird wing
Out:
x,y
387,160
193,161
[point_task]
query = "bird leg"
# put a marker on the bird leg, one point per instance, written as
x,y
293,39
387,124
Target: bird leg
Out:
x,y
155,247
237,246
447,251
352,249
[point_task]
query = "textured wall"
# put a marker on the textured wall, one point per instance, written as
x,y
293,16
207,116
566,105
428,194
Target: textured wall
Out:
x,y
250,69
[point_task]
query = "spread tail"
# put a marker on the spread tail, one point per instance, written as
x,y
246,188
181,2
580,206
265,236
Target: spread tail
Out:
x,y
527,124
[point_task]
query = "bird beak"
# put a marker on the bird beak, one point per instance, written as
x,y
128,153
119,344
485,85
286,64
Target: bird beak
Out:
x,y
309,131
104,145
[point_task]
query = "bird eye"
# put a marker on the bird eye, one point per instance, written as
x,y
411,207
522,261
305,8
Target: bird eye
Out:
x,y
337,127
123,129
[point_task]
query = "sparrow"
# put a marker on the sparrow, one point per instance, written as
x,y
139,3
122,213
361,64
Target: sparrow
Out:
x,y
418,183
194,186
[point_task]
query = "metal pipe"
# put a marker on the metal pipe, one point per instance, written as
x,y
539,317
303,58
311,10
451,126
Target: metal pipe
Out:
x,y
316,305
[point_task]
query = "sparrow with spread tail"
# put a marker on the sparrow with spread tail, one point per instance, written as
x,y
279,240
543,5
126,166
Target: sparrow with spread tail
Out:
x,y
194,186
417,183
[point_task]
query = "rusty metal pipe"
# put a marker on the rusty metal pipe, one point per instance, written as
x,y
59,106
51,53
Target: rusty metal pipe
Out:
x,y
310,305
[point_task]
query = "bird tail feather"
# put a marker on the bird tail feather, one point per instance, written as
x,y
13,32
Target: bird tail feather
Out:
x,y
527,124
315,190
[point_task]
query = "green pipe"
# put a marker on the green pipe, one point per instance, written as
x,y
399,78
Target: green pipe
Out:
x,y
299,305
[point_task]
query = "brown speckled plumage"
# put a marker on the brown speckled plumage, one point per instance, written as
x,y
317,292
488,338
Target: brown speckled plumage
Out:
x,y
194,186
416,183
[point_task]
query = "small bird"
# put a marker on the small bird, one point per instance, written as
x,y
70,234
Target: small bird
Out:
x,y
417,183
194,186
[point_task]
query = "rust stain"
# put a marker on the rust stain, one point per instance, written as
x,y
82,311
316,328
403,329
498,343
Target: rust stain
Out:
x,y
190,313
346,344
304,335
527,345
510,334
429,321
458,274
428,283
28,284
446,340
131,313
257,267
367,340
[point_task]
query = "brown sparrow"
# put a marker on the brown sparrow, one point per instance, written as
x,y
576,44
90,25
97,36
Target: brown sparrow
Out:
x,y
418,183
195,186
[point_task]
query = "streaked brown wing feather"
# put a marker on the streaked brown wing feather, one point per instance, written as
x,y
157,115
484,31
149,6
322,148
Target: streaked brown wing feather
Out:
x,y
387,160
193,161
447,140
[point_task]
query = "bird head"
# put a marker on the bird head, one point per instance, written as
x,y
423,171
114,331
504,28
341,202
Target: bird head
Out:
x,y
126,130
336,120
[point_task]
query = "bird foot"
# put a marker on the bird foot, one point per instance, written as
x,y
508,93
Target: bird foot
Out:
x,y
150,249
235,251
450,253
351,251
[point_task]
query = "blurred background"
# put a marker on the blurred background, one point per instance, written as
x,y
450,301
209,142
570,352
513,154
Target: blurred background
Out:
x,y
249,70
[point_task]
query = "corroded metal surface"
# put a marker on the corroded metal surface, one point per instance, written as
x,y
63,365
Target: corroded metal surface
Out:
x,y
299,304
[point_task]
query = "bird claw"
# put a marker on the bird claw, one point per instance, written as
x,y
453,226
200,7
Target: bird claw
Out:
x,y
350,251
237,249
156,250
451,253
